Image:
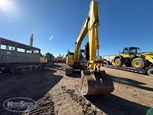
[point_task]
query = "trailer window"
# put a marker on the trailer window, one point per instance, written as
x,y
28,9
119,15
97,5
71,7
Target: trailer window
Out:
x,y
12,48
29,51
3,46
20,50
36,51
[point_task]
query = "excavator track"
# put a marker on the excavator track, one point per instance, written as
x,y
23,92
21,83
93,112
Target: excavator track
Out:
x,y
129,69
93,83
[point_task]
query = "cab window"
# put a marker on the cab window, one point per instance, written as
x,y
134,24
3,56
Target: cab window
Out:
x,y
133,51
125,51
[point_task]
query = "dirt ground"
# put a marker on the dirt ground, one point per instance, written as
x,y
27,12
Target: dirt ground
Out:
x,y
57,94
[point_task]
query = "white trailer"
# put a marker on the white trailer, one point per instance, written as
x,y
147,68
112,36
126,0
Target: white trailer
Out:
x,y
108,57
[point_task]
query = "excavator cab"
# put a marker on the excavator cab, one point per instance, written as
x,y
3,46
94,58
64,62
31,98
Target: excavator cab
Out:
x,y
76,65
83,60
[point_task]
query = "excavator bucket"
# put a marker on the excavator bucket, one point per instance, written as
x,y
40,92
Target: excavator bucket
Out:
x,y
93,83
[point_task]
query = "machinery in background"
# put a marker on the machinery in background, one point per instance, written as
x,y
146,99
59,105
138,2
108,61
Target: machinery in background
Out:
x,y
130,59
59,59
17,57
93,80
64,59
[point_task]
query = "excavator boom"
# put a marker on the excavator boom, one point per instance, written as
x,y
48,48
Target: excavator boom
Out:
x,y
93,81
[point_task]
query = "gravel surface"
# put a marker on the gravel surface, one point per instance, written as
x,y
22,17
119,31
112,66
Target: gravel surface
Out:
x,y
57,94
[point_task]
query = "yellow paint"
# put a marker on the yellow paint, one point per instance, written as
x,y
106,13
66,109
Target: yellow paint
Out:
x,y
43,60
137,63
90,26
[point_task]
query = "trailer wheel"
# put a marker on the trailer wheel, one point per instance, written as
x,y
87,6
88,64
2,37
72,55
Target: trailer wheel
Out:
x,y
138,63
150,72
118,62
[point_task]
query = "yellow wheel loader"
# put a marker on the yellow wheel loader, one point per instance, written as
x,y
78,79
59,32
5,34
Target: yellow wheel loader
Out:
x,y
93,80
130,57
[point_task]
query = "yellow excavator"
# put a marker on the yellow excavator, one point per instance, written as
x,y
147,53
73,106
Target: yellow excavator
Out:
x,y
93,80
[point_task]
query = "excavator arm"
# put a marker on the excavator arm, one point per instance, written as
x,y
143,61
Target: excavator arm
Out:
x,y
80,38
93,81
89,26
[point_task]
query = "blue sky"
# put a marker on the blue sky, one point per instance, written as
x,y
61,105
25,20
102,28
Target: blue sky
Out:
x,y
57,23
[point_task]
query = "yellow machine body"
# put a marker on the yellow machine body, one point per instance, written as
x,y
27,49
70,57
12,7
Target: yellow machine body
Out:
x,y
71,61
43,60
130,57
59,59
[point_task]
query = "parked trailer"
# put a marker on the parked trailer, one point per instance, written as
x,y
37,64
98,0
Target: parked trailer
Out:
x,y
131,59
145,71
17,57
129,69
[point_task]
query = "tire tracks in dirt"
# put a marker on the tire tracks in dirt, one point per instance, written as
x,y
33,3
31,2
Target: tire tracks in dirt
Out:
x,y
87,108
